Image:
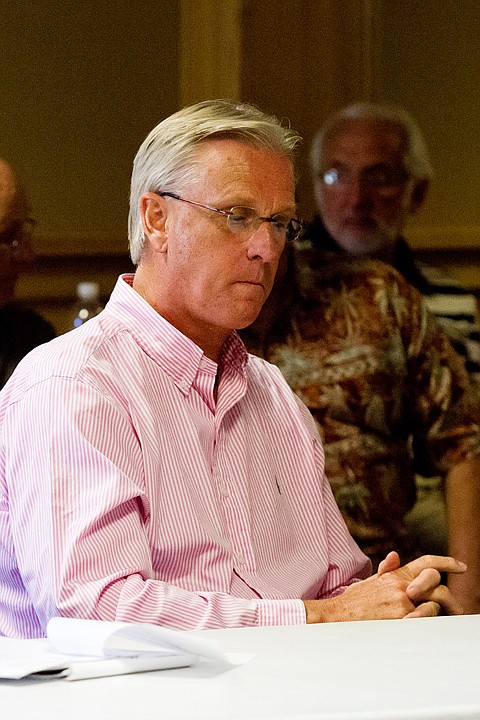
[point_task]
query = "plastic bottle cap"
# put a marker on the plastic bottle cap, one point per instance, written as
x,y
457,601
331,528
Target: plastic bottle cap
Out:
x,y
88,290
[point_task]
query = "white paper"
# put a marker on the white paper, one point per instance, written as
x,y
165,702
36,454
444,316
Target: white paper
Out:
x,y
114,639
78,649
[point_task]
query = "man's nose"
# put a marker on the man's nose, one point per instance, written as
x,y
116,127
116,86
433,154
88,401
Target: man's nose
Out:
x,y
263,244
358,191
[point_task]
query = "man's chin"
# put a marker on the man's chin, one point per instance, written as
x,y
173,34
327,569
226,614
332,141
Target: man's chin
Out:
x,y
362,243
247,317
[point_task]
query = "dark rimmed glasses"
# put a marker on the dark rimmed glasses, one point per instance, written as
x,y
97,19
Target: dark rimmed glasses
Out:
x,y
244,220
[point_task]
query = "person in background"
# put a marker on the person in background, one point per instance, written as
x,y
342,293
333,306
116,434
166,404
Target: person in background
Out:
x,y
170,477
371,170
21,329
390,396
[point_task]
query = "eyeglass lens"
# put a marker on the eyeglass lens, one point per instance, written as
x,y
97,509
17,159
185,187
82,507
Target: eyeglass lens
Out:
x,y
379,177
242,219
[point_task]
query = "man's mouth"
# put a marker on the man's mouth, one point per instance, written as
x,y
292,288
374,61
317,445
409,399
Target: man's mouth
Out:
x,y
252,282
363,222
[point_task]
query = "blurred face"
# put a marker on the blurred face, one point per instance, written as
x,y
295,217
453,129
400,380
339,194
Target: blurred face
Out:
x,y
367,194
209,279
15,248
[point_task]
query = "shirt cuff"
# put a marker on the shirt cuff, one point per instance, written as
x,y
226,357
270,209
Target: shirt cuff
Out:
x,y
281,612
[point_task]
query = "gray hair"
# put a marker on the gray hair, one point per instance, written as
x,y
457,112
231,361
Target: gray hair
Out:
x,y
417,159
166,159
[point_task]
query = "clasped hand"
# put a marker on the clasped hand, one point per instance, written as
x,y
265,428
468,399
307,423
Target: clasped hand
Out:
x,y
421,581
395,591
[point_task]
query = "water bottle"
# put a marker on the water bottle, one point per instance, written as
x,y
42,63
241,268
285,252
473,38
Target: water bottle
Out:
x,y
88,303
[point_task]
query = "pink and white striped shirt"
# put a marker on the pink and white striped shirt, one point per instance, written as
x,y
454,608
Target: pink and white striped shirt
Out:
x,y
127,493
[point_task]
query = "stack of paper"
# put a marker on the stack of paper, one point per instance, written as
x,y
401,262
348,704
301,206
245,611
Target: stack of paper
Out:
x,y
78,649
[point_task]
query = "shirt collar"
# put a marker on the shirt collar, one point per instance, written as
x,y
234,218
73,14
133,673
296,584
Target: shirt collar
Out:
x,y
178,356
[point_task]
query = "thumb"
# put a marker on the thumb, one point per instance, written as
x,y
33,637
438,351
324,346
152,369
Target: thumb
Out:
x,y
391,562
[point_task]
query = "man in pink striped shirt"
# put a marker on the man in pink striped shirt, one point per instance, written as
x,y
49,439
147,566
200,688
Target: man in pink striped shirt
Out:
x,y
150,469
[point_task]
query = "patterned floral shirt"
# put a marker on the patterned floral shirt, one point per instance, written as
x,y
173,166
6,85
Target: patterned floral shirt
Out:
x,y
389,394
454,307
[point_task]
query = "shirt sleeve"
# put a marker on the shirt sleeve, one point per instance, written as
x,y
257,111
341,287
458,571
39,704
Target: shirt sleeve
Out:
x,y
78,515
445,408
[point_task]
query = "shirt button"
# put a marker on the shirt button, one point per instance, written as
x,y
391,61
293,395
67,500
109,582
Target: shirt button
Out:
x,y
224,491
240,560
183,384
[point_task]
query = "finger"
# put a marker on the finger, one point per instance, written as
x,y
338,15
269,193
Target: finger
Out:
x,y
422,584
448,602
428,609
441,596
391,562
438,562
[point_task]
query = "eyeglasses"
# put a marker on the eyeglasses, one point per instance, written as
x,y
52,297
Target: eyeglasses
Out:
x,y
17,235
244,220
382,179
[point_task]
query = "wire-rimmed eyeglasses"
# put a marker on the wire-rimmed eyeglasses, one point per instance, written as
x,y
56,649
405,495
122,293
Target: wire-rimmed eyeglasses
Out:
x,y
380,178
243,220
17,235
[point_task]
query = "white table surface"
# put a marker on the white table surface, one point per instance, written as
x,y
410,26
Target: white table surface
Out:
x,y
428,668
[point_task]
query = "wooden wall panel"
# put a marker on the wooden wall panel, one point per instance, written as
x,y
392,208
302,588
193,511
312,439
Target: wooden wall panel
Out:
x,y
301,60
428,59
210,48
81,84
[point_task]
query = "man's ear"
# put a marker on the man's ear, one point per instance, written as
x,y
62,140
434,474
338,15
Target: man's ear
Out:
x,y
419,193
153,210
